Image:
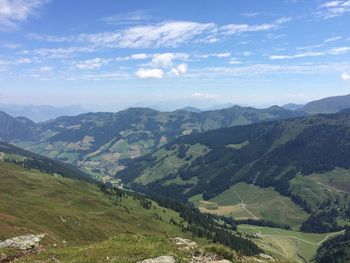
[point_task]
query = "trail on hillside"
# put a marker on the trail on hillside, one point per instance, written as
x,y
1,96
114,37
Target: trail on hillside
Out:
x,y
244,206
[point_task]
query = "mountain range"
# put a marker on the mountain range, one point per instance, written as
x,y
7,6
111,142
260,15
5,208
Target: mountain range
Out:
x,y
97,142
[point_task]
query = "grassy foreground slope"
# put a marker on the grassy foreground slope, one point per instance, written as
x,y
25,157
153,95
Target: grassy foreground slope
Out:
x,y
84,222
81,223
72,211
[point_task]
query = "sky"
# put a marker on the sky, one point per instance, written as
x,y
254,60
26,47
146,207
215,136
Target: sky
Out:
x,y
111,54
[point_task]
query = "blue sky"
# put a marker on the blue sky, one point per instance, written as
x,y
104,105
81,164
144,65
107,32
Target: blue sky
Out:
x,y
108,54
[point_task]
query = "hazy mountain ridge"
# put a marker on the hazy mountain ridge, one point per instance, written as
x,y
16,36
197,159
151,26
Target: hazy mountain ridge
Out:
x,y
41,112
327,105
97,142
20,128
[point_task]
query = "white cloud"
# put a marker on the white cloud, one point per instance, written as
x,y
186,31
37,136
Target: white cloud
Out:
x,y
139,56
339,50
24,61
332,39
223,55
234,61
95,63
233,29
333,51
180,69
164,60
333,9
134,17
345,76
45,68
13,12
217,55
165,34
150,73
55,53
255,70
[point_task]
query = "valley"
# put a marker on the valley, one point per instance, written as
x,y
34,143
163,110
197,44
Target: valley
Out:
x,y
252,176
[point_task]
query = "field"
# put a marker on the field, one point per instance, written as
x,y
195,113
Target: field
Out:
x,y
243,201
287,243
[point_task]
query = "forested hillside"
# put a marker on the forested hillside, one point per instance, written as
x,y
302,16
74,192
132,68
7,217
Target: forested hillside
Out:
x,y
275,154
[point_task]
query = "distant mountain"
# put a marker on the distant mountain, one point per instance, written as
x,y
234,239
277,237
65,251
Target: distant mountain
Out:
x,y
97,142
191,109
327,105
40,113
19,128
292,106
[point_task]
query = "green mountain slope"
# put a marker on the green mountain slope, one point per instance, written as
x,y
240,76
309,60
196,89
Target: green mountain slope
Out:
x,y
97,142
84,222
272,154
13,154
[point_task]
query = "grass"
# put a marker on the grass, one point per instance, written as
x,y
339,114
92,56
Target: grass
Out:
x,y
122,248
281,243
259,203
72,211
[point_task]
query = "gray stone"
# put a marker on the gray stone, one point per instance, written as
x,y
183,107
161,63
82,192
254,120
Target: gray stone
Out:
x,y
22,242
162,259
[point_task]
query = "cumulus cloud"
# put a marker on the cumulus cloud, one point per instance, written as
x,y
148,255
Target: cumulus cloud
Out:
x,y
150,73
345,76
180,69
333,9
13,12
163,60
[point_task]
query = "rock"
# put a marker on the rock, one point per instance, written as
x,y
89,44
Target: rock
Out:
x,y
186,244
267,257
23,242
212,258
162,259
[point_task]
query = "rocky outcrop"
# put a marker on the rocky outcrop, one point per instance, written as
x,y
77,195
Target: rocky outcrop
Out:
x,y
185,244
162,259
23,242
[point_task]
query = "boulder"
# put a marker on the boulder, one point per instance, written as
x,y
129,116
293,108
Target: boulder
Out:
x,y
22,242
162,259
